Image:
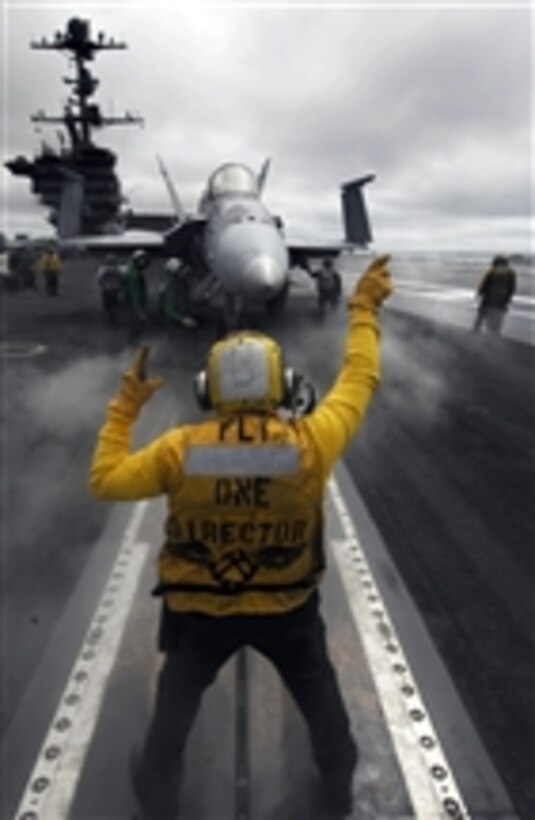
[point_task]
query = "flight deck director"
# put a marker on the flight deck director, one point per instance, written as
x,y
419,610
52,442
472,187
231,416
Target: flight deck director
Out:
x,y
243,556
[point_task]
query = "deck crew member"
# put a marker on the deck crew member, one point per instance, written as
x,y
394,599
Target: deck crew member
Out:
x,y
21,260
135,292
243,553
175,295
329,285
495,292
110,282
50,266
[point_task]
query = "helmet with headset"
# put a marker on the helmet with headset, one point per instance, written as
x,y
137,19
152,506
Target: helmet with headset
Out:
x,y
172,266
245,371
140,258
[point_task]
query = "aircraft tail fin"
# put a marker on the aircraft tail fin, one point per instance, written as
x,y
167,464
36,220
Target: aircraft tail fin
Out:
x,y
70,206
262,176
356,222
178,208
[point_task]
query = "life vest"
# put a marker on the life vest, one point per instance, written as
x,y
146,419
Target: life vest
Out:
x,y
327,283
498,288
50,263
110,278
244,530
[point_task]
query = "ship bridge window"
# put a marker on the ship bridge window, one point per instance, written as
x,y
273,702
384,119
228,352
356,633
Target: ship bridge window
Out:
x,y
232,179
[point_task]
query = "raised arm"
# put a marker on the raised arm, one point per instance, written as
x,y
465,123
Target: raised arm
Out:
x,y
116,474
338,416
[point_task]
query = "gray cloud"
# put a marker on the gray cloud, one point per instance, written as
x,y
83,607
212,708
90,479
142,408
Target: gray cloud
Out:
x,y
436,102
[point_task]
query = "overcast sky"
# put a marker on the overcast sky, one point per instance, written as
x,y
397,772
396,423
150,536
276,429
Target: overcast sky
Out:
x,y
435,100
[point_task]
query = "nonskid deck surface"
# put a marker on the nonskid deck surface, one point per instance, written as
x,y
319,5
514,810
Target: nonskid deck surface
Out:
x,y
249,755
444,463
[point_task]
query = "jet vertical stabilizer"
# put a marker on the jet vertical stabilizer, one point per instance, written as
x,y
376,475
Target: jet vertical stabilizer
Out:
x,y
356,223
172,191
262,176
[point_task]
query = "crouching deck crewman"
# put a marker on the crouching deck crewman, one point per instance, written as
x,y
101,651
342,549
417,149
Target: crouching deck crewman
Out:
x,y
243,556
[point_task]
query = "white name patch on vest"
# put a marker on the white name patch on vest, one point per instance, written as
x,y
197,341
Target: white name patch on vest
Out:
x,y
227,460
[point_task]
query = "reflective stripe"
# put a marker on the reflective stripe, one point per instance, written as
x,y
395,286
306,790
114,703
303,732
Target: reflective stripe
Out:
x,y
241,461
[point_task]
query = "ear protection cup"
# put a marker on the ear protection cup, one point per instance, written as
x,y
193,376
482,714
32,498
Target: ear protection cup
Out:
x,y
200,390
290,383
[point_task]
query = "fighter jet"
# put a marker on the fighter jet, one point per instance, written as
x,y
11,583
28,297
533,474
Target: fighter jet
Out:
x,y
237,248
236,241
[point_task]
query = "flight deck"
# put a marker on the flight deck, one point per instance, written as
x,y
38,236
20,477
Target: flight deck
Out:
x,y
249,756
426,595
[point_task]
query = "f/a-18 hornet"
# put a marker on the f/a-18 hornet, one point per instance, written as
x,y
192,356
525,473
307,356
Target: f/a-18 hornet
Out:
x,y
237,246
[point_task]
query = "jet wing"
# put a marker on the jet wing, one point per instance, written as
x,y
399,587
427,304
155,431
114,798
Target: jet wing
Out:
x,y
115,243
182,241
301,253
356,228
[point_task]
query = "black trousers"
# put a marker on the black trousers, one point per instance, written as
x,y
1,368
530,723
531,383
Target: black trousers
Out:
x,y
110,305
51,283
490,317
197,646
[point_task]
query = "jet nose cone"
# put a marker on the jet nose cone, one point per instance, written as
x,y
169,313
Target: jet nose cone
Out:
x,y
265,275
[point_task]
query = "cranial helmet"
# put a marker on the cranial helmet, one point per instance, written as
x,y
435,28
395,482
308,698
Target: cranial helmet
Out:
x,y
140,258
172,265
244,371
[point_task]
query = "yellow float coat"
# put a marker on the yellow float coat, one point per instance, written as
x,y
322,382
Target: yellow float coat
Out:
x,y
243,533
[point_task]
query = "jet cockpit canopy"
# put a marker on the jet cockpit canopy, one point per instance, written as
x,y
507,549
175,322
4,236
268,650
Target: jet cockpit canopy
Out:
x,y
233,179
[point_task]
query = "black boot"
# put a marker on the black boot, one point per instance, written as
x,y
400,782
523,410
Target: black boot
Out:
x,y
338,799
337,782
156,793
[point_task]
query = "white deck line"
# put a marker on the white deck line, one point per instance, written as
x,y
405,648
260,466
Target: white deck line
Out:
x,y
51,787
429,779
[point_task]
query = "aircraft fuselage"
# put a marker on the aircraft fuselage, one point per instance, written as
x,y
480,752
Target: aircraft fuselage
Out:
x,y
243,246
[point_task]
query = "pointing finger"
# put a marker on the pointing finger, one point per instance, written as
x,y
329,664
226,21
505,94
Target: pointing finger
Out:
x,y
380,261
139,366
